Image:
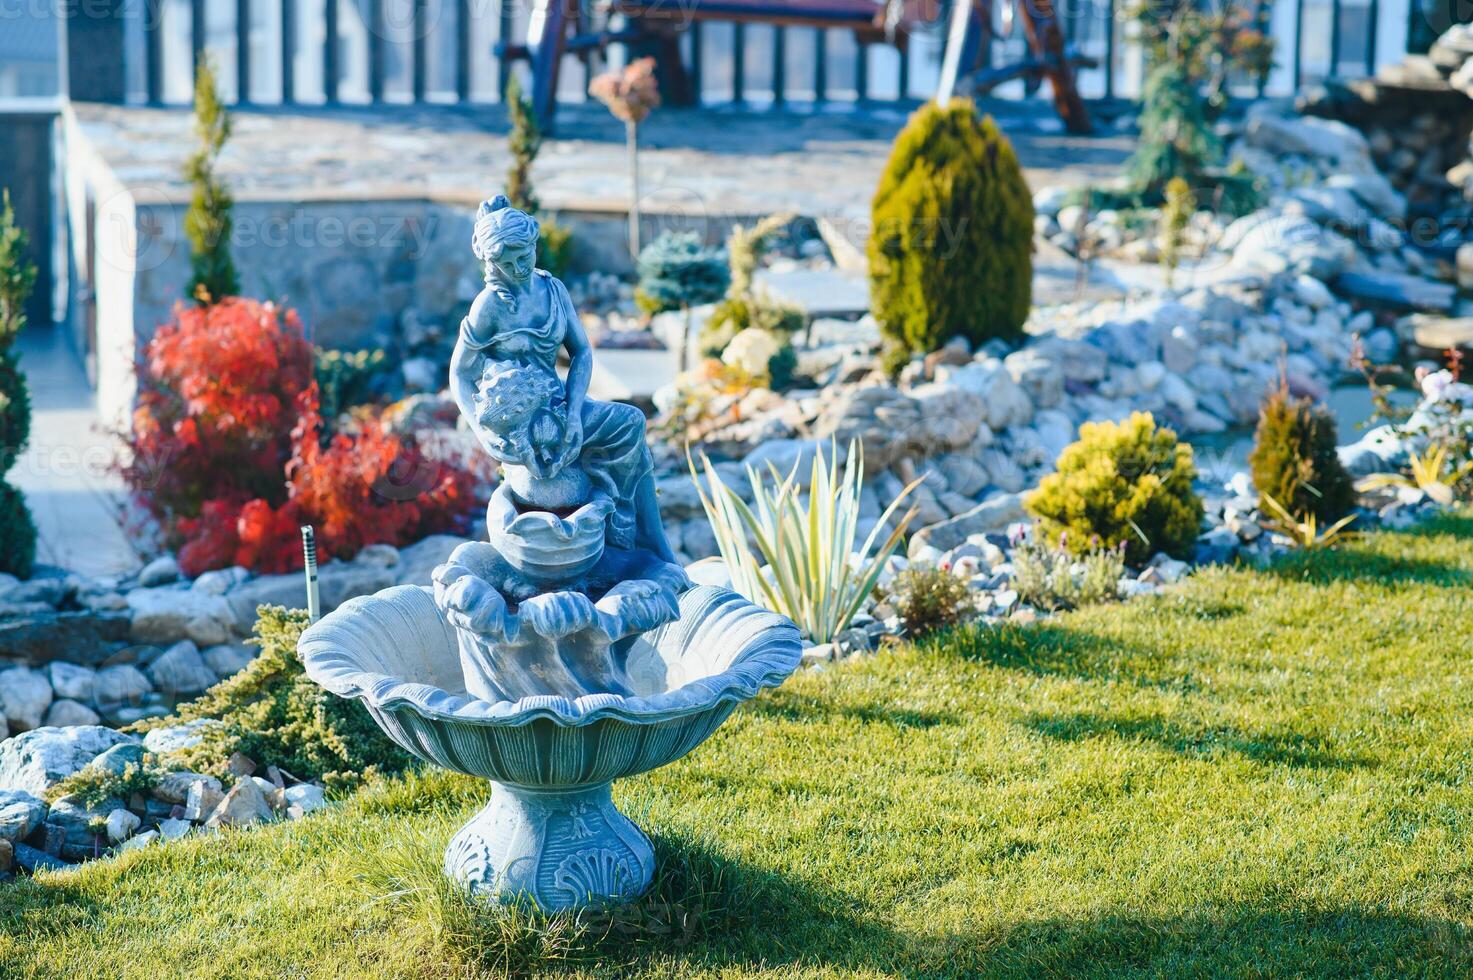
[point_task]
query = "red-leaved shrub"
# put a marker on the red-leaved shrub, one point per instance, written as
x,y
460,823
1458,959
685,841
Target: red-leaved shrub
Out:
x,y
217,403
231,455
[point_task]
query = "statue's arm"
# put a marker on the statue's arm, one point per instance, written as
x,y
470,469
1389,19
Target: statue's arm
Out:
x,y
464,362
580,361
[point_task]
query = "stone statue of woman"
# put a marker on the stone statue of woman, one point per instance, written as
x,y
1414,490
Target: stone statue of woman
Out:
x,y
520,321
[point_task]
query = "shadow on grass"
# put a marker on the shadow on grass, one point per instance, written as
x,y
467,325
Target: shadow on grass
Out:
x,y
1324,566
1286,749
790,706
709,913
36,911
1048,649
1369,564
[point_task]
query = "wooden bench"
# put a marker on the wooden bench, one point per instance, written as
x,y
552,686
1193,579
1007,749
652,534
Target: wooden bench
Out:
x,y
559,27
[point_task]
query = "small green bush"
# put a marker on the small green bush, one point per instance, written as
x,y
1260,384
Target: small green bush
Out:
x,y
1176,139
94,785
273,713
929,599
1053,578
1294,459
554,247
349,378
677,271
1127,482
733,315
745,307
951,247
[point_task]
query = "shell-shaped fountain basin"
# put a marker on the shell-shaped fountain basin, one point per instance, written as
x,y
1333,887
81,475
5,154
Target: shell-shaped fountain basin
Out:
x,y
551,832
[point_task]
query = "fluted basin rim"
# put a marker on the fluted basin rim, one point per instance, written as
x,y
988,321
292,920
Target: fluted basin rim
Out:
x,y
770,650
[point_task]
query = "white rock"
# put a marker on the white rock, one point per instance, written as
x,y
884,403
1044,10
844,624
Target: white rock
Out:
x,y
168,615
243,806
20,814
1039,376
1179,350
120,825
25,695
66,713
1005,400
709,571
202,799
176,737
1149,374
161,571
121,684
139,842
72,680
305,797
181,671
1168,569
174,829
1308,136
37,760
227,659
1313,293
221,580
785,454
1178,393
378,555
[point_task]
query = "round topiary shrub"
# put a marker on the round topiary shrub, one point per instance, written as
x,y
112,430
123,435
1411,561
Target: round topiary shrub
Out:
x,y
951,247
1123,482
17,534
677,270
1294,459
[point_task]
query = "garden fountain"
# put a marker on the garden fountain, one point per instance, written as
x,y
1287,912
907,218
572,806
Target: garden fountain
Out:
x,y
567,650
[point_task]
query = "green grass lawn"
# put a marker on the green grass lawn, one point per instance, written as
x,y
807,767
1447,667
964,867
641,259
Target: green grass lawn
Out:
x,y
1255,774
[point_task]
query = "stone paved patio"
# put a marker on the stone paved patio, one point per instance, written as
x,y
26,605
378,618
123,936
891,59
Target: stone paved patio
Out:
x,y
66,471
717,162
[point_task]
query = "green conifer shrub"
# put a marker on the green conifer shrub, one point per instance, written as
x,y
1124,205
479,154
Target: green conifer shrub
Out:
x,y
274,713
951,243
17,281
555,241
677,271
1294,459
1176,139
207,223
1120,482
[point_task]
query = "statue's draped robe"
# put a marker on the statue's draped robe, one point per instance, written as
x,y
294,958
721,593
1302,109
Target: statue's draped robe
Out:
x,y
614,454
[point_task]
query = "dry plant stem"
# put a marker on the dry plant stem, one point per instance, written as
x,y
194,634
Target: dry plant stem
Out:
x,y
631,133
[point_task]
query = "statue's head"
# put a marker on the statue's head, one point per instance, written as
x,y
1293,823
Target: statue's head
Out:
x,y
505,240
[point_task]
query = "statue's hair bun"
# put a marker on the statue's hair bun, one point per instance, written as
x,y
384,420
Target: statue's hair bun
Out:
x,y
497,203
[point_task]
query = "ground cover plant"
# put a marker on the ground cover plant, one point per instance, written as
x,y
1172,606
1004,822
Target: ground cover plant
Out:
x,y
1253,773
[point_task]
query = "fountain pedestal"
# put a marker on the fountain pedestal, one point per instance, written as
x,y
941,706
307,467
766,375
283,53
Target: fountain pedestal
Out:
x,y
568,848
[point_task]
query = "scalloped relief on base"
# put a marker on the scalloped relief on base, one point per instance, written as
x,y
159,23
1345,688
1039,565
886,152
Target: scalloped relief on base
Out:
x,y
559,850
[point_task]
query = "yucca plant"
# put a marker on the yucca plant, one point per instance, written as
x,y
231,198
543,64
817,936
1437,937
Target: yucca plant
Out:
x,y
1431,473
805,565
1305,531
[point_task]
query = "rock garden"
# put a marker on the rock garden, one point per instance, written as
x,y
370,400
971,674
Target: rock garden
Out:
x,y
1098,599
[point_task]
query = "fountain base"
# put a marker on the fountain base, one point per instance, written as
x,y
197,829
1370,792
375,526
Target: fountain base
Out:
x,y
560,849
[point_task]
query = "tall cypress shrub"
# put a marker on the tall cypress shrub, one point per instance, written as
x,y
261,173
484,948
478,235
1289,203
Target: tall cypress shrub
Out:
x,y
17,280
951,247
207,223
